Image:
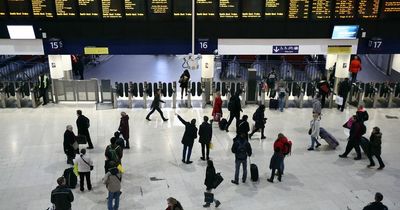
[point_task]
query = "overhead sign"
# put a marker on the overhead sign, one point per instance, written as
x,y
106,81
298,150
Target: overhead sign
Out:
x,y
333,49
282,49
96,50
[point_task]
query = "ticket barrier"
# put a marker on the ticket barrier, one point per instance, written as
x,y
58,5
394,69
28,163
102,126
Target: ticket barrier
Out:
x,y
394,95
356,94
19,94
295,97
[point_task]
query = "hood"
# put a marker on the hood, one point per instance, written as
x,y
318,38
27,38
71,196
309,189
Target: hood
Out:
x,y
379,135
125,117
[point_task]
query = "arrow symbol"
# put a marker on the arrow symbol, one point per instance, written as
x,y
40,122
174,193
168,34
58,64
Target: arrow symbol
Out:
x,y
276,49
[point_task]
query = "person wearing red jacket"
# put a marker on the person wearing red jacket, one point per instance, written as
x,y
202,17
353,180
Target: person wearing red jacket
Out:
x,y
217,109
355,67
284,146
124,128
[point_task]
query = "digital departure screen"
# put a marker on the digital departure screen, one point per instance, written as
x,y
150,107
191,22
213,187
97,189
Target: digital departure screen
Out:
x,y
275,9
18,7
391,9
43,8
2,8
135,8
182,8
66,8
298,9
344,9
111,9
159,9
229,9
368,9
252,9
321,9
89,8
206,8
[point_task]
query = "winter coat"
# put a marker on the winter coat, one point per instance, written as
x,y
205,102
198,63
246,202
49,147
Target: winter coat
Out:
x,y
178,206
259,118
205,133
217,106
112,180
184,83
314,125
362,115
375,206
82,165
236,105
124,126
344,89
190,132
83,124
284,145
62,198
243,127
69,139
355,66
356,131
156,102
117,149
316,104
210,177
235,147
276,160
375,142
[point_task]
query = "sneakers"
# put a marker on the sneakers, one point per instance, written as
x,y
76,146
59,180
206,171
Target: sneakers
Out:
x,y
235,182
310,149
217,203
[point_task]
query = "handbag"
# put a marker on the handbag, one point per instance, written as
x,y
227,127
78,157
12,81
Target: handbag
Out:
x,y
91,167
208,197
339,100
120,169
217,117
217,180
309,131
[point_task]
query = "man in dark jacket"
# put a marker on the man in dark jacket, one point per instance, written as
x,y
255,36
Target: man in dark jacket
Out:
x,y
234,108
374,148
344,89
377,205
69,143
242,149
156,106
205,135
243,126
43,81
260,120
62,197
83,125
188,139
356,131
124,128
324,90
113,151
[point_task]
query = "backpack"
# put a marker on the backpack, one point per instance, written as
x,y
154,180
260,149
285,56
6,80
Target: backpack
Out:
x,y
282,94
287,148
112,153
223,123
363,129
241,153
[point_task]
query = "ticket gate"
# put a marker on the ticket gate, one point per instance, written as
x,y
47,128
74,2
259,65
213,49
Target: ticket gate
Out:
x,y
394,95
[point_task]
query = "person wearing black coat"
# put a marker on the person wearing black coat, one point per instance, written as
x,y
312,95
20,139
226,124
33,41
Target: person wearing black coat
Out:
x,y
374,148
124,128
205,135
184,82
234,108
362,114
324,90
275,164
243,126
377,205
188,139
242,149
83,125
260,120
156,106
209,182
356,131
344,89
61,196
69,143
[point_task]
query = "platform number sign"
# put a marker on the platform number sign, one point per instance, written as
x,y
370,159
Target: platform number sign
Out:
x,y
375,43
205,46
56,44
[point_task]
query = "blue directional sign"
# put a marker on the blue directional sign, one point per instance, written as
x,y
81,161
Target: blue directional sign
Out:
x,y
278,49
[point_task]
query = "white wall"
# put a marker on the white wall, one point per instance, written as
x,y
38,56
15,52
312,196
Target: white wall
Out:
x,y
342,66
58,65
264,46
396,62
21,47
207,66
330,60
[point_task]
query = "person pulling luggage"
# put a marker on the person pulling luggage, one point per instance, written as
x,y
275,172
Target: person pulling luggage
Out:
x,y
356,131
209,182
314,131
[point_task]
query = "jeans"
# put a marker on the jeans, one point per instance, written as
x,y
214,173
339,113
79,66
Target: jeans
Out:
x,y
281,101
82,176
313,141
189,152
273,173
237,169
158,110
207,152
113,196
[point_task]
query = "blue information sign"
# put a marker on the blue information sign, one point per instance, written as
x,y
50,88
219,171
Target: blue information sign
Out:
x,y
278,49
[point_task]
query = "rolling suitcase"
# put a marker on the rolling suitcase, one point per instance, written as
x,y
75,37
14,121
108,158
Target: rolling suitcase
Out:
x,y
70,177
364,144
253,172
223,123
273,103
331,140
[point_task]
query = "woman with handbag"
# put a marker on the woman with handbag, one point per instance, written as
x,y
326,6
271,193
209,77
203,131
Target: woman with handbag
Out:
x,y
217,108
210,182
85,165
314,131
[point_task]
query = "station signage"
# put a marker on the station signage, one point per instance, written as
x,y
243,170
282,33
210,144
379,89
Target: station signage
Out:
x,y
285,49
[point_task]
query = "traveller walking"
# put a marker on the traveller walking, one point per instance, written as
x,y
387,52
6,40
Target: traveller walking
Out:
x,y
205,135
355,67
316,104
275,165
113,180
374,148
217,108
271,79
184,82
260,120
173,204
70,144
156,106
85,165
210,181
124,128
344,89
356,131
234,108
314,131
83,125
362,114
242,149
61,196
188,139
281,94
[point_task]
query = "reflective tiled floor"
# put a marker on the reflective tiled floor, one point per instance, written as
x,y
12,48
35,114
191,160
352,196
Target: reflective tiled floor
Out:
x,y
31,158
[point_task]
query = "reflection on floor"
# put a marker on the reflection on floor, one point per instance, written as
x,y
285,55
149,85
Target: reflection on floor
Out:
x,y
31,158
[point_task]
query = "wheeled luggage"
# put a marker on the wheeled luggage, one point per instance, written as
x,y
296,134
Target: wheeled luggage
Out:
x,y
273,103
331,140
223,123
254,172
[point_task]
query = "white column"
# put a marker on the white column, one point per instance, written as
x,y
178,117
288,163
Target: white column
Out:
x,y
342,65
60,65
330,60
207,66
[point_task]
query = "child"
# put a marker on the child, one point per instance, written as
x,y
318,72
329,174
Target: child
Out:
x,y
275,164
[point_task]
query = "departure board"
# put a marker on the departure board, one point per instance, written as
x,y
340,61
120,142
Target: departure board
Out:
x,y
182,8
321,9
18,8
275,9
391,9
2,8
66,8
135,8
43,8
206,8
344,9
252,8
298,9
229,8
159,9
111,9
89,8
368,9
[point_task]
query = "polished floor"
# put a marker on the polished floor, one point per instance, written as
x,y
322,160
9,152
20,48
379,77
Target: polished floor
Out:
x,y
31,159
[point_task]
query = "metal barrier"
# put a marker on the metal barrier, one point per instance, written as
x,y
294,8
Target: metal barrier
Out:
x,y
76,90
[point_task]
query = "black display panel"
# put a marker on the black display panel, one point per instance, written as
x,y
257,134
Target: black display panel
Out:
x,y
229,9
368,9
252,8
18,8
275,9
89,8
182,8
43,8
298,9
66,8
391,9
206,8
2,8
344,9
321,9
135,8
159,9
111,9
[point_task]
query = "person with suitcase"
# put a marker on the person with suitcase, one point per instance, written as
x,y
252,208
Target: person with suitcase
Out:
x,y
155,105
356,131
70,144
124,128
275,165
209,182
217,108
314,131
188,139
242,149
85,165
61,196
234,107
374,148
260,120
83,125
205,135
